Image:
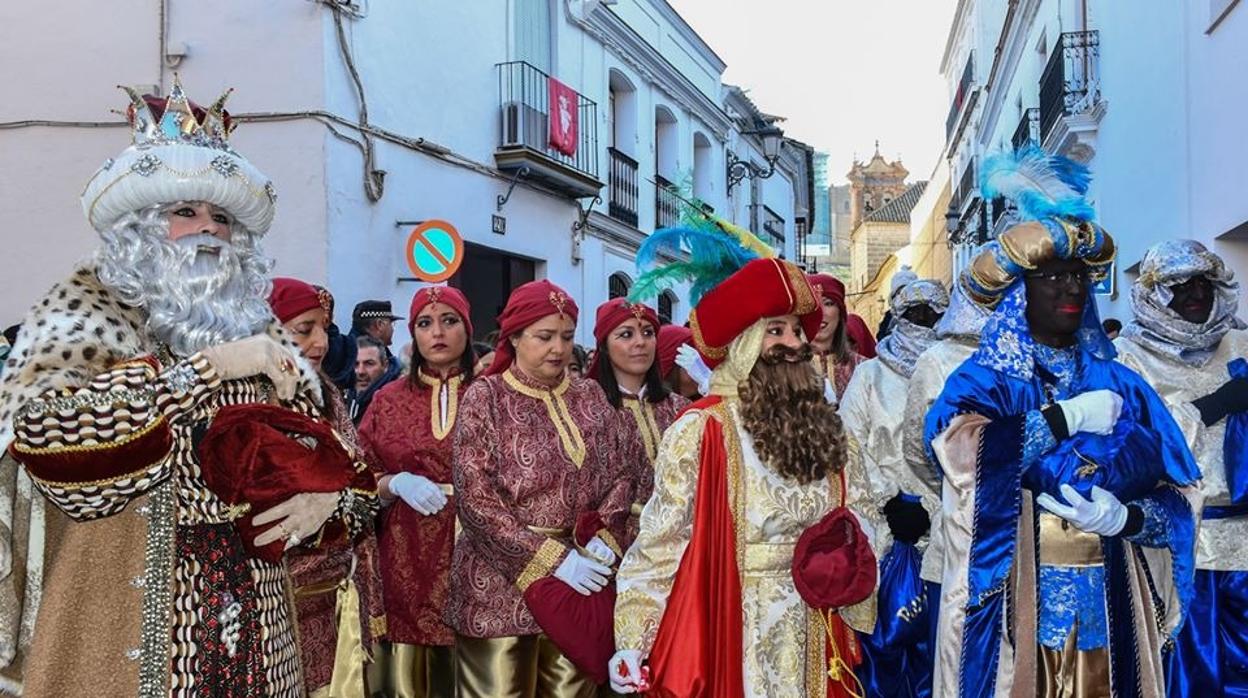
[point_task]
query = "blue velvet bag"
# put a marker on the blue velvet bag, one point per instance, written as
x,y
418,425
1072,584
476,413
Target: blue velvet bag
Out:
x,y
1235,443
902,601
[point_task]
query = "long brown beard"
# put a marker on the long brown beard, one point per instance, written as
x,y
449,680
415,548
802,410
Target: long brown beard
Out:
x,y
795,430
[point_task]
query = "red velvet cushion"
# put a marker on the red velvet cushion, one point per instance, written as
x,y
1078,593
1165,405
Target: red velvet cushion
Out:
x,y
262,455
582,627
833,565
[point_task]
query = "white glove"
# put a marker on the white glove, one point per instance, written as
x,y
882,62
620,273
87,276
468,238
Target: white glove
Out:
x,y
257,355
689,359
829,392
1103,515
601,551
418,492
583,574
1094,412
624,671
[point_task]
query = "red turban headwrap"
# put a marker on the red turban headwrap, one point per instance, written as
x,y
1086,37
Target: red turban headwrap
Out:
x,y
292,297
671,338
611,315
445,295
830,287
527,304
864,343
762,288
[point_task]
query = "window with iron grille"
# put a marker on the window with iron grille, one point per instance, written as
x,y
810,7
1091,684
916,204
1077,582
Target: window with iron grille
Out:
x,y
667,305
618,285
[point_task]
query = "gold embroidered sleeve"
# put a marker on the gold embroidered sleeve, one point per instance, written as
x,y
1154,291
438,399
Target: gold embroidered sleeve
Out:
x,y
649,567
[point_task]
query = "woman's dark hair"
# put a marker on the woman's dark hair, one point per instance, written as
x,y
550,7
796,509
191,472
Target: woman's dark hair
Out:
x,y
482,348
841,346
467,361
656,389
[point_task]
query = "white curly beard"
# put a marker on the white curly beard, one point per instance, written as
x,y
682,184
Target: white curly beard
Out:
x,y
195,298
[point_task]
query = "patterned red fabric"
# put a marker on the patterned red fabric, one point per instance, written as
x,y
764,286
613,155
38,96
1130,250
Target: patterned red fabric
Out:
x,y
857,330
839,371
512,472
665,413
440,294
762,288
292,297
397,436
249,455
527,304
324,566
611,315
671,338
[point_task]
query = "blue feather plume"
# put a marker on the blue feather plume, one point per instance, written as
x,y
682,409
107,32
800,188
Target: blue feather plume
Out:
x,y
713,256
1040,185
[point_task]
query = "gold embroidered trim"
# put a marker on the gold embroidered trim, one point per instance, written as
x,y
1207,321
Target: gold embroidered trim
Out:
x,y
542,564
611,542
643,415
569,434
699,342
89,448
806,301
816,654
736,489
435,403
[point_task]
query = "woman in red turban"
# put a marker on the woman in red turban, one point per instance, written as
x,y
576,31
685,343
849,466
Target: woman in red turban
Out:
x,y
319,573
834,358
626,367
534,453
407,434
675,377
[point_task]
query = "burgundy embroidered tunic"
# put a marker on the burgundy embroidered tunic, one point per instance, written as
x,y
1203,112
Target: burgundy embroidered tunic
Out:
x,y
529,459
409,429
645,423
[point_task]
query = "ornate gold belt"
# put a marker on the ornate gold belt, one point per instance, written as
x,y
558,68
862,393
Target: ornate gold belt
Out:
x,y
1064,545
770,558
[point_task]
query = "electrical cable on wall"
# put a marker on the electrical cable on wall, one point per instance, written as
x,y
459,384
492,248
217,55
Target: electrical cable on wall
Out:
x,y
374,179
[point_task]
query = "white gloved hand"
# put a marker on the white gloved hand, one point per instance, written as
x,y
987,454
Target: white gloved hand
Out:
x,y
601,551
1103,515
1094,412
689,359
257,355
419,492
583,574
829,392
624,671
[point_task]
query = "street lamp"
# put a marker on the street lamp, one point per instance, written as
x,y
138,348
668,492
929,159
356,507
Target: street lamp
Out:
x,y
738,169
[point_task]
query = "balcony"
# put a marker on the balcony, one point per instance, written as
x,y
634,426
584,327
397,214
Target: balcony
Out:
x,y
666,203
964,98
1071,108
524,139
966,189
773,225
622,187
1028,129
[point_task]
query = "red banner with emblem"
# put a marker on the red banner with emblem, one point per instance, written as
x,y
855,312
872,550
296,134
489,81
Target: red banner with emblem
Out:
x,y
563,117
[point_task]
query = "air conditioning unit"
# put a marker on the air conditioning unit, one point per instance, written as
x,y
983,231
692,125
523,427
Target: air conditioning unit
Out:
x,y
524,126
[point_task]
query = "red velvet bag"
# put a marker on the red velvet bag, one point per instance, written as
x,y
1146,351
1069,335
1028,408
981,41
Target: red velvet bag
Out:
x,y
833,565
261,455
582,627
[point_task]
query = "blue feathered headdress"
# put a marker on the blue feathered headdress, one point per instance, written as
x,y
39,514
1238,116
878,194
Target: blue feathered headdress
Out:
x,y
1040,185
715,250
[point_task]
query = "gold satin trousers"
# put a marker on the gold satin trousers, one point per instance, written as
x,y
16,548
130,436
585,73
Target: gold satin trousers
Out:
x,y
416,671
528,666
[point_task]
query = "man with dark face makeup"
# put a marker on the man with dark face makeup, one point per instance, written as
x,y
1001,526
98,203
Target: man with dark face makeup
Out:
x,y
1070,497
1183,339
738,478
897,663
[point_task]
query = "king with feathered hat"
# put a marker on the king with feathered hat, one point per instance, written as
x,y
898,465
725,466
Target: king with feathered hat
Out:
x,y
750,561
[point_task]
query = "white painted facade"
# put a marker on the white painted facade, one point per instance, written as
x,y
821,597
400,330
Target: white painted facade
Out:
x,y
1162,132
429,76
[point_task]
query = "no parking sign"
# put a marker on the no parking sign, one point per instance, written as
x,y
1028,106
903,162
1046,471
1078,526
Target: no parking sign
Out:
x,y
434,251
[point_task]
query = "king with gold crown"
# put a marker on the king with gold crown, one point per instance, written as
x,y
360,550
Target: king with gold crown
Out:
x,y
141,578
